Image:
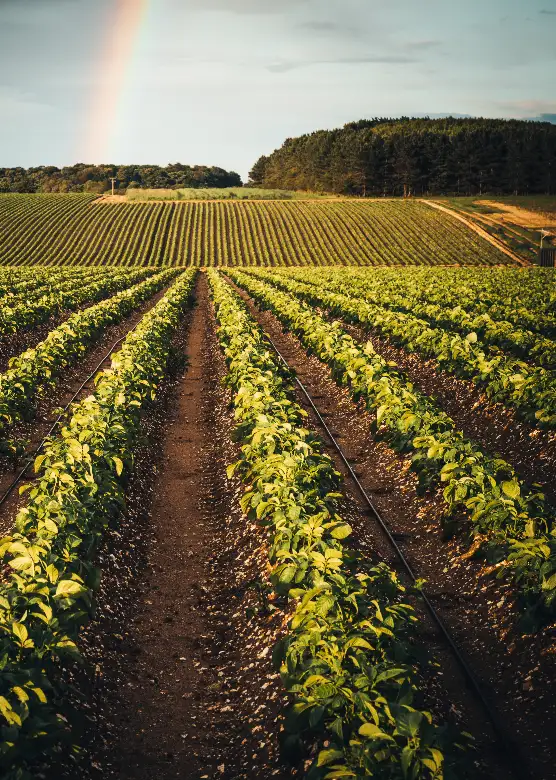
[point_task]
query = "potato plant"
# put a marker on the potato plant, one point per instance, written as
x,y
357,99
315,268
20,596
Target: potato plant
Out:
x,y
30,313
345,659
530,389
403,295
48,589
514,525
32,372
74,231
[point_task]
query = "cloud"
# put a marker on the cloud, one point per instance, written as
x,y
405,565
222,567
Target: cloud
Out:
x,y
318,26
254,7
422,45
532,110
530,107
544,118
15,103
327,28
284,66
27,13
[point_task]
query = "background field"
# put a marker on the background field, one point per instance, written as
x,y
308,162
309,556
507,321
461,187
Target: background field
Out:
x,y
220,193
81,230
514,221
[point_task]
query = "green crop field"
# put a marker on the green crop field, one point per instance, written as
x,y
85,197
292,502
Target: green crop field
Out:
x,y
223,407
53,230
415,369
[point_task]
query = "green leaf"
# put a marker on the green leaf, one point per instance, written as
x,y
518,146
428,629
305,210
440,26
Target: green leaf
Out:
x,y
68,588
22,563
20,631
511,489
373,732
341,531
39,693
327,756
287,573
39,461
21,694
408,723
8,712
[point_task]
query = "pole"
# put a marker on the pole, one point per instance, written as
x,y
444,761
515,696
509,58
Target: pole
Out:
x,y
113,180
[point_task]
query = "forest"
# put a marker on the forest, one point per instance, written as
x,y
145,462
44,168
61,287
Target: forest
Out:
x,y
417,157
96,178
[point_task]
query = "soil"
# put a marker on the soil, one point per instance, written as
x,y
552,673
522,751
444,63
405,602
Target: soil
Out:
x,y
186,687
516,671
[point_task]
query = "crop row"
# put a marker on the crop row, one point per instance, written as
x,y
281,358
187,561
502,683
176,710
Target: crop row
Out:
x,y
19,314
51,285
524,343
247,233
345,658
18,284
315,233
31,225
512,525
530,389
48,590
35,370
524,297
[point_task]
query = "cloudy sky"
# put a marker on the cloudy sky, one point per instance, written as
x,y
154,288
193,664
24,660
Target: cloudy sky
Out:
x,y
220,82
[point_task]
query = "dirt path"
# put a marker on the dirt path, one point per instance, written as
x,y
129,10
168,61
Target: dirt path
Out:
x,y
478,230
517,672
191,692
160,709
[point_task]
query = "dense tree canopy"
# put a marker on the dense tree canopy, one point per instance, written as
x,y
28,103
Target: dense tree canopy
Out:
x,y
417,156
96,178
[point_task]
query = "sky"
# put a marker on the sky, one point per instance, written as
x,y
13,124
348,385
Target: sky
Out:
x,y
220,82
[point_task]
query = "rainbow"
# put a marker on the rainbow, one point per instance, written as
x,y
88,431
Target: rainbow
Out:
x,y
126,18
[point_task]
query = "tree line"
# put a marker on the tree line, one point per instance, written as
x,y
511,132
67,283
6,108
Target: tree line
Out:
x,y
417,157
96,178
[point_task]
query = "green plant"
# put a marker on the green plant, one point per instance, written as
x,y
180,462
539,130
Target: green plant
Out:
x,y
477,486
48,590
346,659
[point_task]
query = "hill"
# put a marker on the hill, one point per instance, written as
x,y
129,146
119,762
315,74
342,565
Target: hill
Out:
x,y
417,156
82,230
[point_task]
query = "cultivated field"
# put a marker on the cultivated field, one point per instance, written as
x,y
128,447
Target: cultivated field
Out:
x,y
286,516
517,222
220,193
81,230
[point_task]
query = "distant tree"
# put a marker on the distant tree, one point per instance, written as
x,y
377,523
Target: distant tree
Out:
x,y
258,172
406,156
96,178
97,186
